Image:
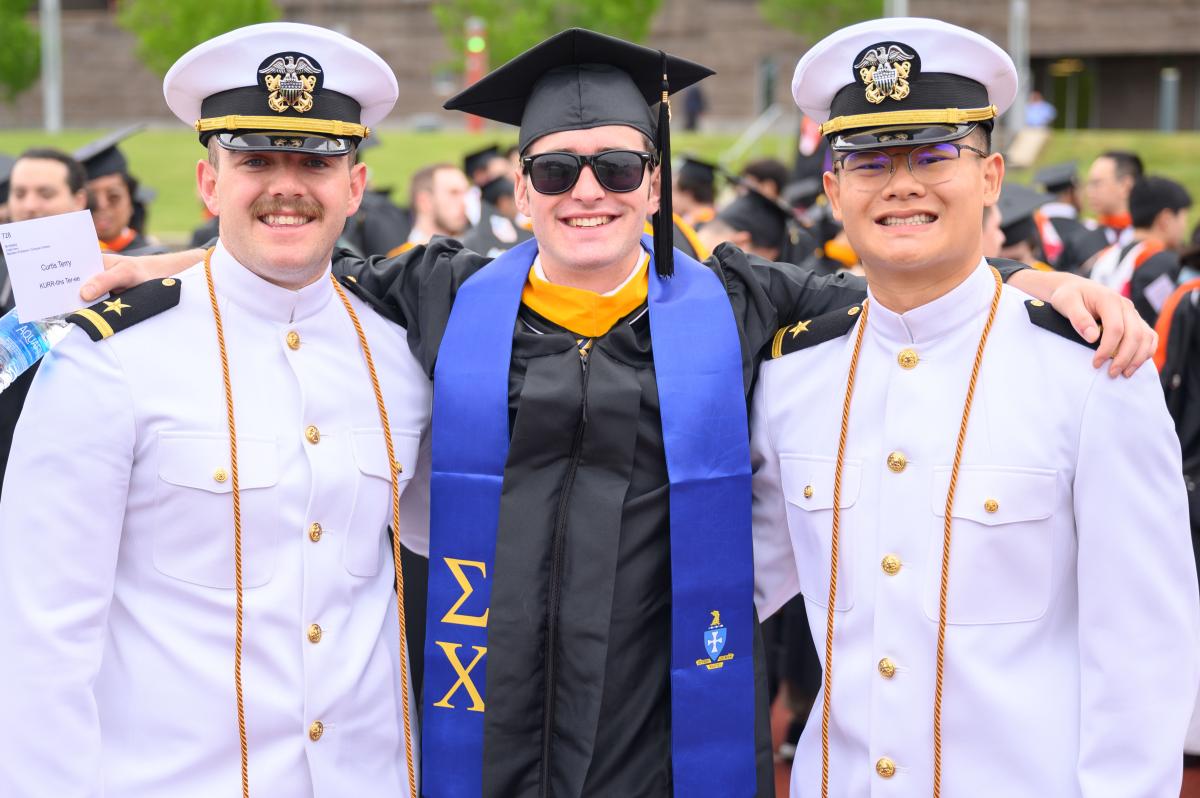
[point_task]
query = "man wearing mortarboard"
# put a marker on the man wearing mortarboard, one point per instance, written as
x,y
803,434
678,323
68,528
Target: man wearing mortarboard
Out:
x,y
591,626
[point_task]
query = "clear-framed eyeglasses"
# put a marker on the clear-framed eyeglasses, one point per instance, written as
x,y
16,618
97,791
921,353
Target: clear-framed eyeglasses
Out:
x,y
929,164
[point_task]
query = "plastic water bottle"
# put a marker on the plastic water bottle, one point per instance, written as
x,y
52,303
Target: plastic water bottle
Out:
x,y
22,345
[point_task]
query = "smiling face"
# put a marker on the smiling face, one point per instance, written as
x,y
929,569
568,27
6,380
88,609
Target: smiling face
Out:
x,y
112,206
589,237
906,232
281,213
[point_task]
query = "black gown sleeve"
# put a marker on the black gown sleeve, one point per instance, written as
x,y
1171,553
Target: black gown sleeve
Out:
x,y
414,289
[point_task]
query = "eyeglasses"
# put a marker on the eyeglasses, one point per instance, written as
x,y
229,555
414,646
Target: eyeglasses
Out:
x,y
929,164
621,171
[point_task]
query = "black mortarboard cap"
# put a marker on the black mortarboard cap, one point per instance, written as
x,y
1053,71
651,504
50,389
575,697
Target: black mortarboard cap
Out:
x,y
479,158
101,157
579,79
698,171
1016,205
1056,177
6,165
762,217
495,189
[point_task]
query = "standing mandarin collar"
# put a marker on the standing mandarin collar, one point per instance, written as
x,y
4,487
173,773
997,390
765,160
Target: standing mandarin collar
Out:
x,y
265,299
966,302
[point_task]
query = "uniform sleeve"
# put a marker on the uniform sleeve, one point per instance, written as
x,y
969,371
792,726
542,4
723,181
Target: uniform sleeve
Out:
x,y
775,578
414,289
1139,620
61,517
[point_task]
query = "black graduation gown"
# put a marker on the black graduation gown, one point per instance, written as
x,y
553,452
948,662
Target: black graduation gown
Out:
x,y
495,233
578,687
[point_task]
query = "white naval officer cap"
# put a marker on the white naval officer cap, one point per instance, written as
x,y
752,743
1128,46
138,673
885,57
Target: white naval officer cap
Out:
x,y
281,86
903,80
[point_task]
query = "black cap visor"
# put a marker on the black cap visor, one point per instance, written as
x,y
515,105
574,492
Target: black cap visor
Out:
x,y
277,141
899,136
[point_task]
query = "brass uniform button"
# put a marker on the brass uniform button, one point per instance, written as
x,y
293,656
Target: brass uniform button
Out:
x,y
312,434
908,359
293,339
891,565
314,532
885,767
170,281
315,730
399,467
314,633
887,668
220,475
853,311
897,462
808,491
991,505
1037,303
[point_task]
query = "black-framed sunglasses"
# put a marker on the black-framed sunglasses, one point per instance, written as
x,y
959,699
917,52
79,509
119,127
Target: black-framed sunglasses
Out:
x,y
621,171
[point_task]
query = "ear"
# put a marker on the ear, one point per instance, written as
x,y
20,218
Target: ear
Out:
x,y
993,177
740,239
521,193
655,196
81,199
206,184
358,184
833,190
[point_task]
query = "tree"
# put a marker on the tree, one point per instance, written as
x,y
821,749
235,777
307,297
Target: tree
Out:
x,y
166,29
513,28
814,19
20,54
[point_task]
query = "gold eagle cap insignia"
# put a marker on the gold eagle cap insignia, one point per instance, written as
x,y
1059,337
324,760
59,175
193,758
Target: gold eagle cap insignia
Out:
x,y
885,71
290,81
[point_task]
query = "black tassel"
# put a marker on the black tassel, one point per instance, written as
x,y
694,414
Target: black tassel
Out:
x,y
663,222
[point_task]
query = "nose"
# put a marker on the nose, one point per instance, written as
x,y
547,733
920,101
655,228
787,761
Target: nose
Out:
x,y
587,188
901,183
285,181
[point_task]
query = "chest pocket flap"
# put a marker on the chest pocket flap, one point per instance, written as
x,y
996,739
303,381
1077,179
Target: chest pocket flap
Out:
x,y
808,481
201,461
995,495
370,452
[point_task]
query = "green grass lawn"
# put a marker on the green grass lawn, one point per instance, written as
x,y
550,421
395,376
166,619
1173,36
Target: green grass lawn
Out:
x,y
165,159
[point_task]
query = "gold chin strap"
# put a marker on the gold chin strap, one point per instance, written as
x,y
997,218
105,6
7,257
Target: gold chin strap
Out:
x,y
944,592
287,124
237,527
916,116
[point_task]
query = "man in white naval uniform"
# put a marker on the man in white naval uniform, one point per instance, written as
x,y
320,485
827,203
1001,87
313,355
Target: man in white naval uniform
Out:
x,y
117,564
1071,622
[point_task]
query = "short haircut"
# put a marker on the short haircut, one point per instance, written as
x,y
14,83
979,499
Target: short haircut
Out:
x,y
1127,164
76,174
767,170
422,181
1153,195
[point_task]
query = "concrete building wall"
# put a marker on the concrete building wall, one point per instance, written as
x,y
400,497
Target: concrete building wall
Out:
x,y
1123,46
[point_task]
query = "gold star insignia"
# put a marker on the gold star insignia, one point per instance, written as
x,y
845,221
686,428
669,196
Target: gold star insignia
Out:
x,y
801,326
115,306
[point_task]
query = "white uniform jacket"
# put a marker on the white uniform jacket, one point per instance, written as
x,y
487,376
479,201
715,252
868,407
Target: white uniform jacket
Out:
x,y
117,565
1072,645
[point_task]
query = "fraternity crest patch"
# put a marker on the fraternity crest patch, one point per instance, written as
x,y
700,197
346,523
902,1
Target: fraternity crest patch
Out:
x,y
715,637
886,69
290,80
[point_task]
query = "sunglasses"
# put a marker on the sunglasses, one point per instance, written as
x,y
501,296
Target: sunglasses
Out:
x,y
620,171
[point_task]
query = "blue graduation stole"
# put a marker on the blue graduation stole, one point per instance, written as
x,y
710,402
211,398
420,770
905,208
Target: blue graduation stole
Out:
x,y
698,366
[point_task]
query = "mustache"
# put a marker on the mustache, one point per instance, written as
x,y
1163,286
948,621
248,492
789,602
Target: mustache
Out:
x,y
297,206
